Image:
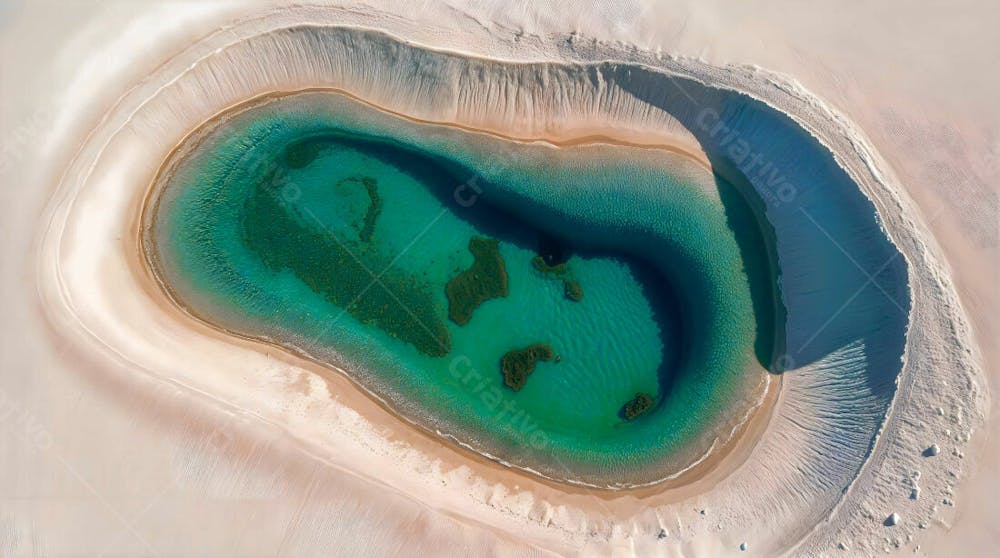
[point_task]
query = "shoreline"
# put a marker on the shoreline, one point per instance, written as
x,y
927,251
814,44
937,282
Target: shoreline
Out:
x,y
752,424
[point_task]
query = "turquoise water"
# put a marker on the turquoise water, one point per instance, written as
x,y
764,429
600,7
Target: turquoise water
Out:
x,y
331,228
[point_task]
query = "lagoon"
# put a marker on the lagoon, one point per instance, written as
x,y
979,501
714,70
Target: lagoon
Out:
x,y
417,257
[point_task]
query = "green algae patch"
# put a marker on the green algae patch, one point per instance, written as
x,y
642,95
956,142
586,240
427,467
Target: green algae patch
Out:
x,y
638,405
285,240
518,364
542,266
571,288
370,185
299,155
485,279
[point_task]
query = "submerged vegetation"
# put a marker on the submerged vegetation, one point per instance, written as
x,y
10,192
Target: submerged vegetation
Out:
x,y
300,154
638,405
284,240
542,266
374,205
571,288
344,187
518,364
486,278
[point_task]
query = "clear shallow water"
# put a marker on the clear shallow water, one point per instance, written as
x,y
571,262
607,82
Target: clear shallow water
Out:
x,y
317,223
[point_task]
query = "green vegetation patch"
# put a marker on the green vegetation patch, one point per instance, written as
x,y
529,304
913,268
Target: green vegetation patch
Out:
x,y
301,154
542,266
571,288
342,272
641,403
485,279
518,364
374,205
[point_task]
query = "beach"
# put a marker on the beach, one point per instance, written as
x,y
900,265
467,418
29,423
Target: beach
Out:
x,y
287,450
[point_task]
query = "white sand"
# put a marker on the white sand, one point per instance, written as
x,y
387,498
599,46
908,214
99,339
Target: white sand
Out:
x,y
97,444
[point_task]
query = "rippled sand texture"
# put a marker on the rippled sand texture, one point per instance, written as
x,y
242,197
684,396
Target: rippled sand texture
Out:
x,y
875,338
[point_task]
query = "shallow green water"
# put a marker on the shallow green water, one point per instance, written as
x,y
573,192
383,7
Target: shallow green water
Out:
x,y
334,229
